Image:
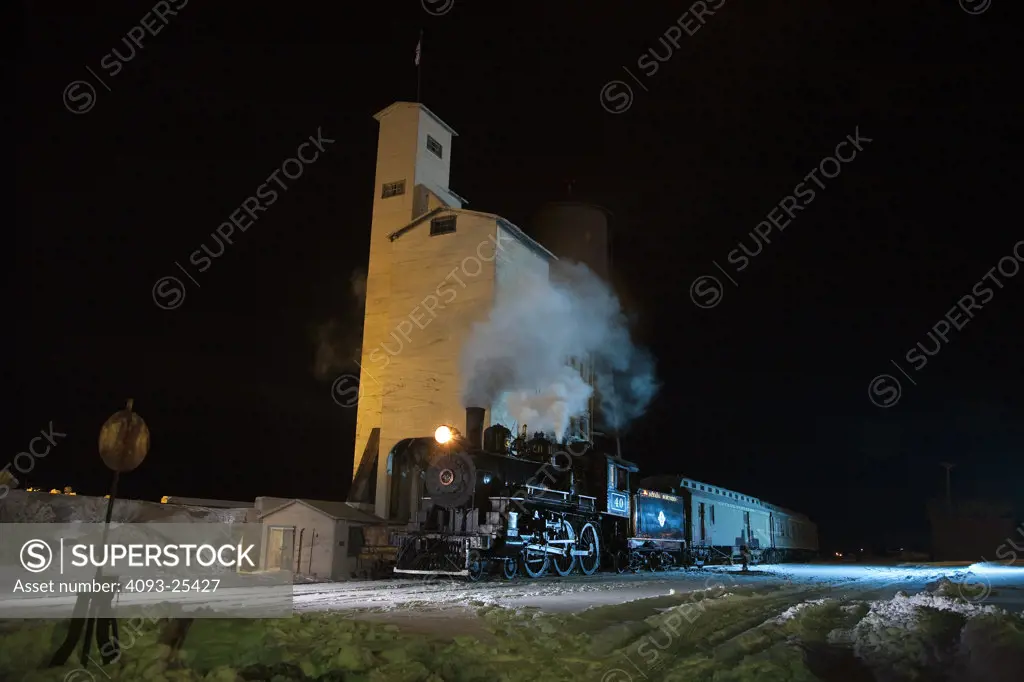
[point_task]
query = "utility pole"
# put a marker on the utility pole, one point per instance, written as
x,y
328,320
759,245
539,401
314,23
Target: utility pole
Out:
x,y
949,496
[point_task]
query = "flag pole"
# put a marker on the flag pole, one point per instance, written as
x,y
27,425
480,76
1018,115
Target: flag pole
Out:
x,y
419,49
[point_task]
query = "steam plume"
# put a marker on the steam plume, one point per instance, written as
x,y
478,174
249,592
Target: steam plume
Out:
x,y
537,325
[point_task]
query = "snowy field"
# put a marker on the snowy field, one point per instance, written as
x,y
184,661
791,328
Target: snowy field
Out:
x,y
406,598
777,622
827,623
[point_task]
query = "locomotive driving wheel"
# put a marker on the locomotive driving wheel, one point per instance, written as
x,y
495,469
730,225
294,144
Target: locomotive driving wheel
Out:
x,y
535,562
588,542
565,563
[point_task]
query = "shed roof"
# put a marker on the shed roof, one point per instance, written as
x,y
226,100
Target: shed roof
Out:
x,y
339,511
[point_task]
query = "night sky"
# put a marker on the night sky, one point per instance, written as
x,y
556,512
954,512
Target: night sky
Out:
x,y
766,392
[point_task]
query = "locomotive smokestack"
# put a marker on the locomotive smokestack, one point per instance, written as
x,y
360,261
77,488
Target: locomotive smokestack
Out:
x,y
475,426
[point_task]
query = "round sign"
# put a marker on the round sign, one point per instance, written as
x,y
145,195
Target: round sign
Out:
x,y
124,441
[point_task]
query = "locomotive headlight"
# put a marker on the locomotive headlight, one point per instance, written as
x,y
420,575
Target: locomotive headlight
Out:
x,y
443,434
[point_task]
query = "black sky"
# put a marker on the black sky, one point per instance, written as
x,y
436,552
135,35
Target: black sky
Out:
x,y
766,393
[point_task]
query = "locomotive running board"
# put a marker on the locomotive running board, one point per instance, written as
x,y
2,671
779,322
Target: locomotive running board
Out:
x,y
463,572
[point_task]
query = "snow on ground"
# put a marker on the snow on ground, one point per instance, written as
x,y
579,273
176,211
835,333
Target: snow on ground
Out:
x,y
900,636
785,622
814,623
576,593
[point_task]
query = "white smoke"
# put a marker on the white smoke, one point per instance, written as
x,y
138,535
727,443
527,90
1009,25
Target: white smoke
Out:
x,y
537,326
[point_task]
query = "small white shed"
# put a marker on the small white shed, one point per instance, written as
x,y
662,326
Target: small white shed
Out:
x,y
314,538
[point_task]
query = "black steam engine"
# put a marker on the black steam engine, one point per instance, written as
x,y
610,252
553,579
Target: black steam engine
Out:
x,y
486,501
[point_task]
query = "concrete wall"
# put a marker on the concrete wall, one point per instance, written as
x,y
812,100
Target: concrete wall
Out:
x,y
431,170
396,161
440,287
398,278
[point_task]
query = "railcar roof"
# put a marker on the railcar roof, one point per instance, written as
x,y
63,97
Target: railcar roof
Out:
x,y
682,482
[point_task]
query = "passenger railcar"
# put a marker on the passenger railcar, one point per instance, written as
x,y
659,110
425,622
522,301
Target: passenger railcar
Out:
x,y
721,521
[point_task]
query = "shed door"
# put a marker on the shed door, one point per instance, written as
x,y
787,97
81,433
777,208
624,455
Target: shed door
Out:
x,y
280,541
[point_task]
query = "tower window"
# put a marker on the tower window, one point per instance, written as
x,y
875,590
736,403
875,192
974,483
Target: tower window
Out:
x,y
435,147
442,225
392,189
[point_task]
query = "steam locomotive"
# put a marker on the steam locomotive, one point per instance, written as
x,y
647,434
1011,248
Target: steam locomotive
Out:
x,y
487,501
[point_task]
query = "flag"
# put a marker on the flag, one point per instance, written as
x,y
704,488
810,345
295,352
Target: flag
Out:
x,y
418,46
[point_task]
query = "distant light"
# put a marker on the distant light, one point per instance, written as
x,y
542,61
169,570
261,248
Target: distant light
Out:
x,y
992,568
443,434
487,479
163,500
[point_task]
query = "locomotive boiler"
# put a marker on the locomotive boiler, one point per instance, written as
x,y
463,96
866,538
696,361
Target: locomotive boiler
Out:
x,y
484,501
